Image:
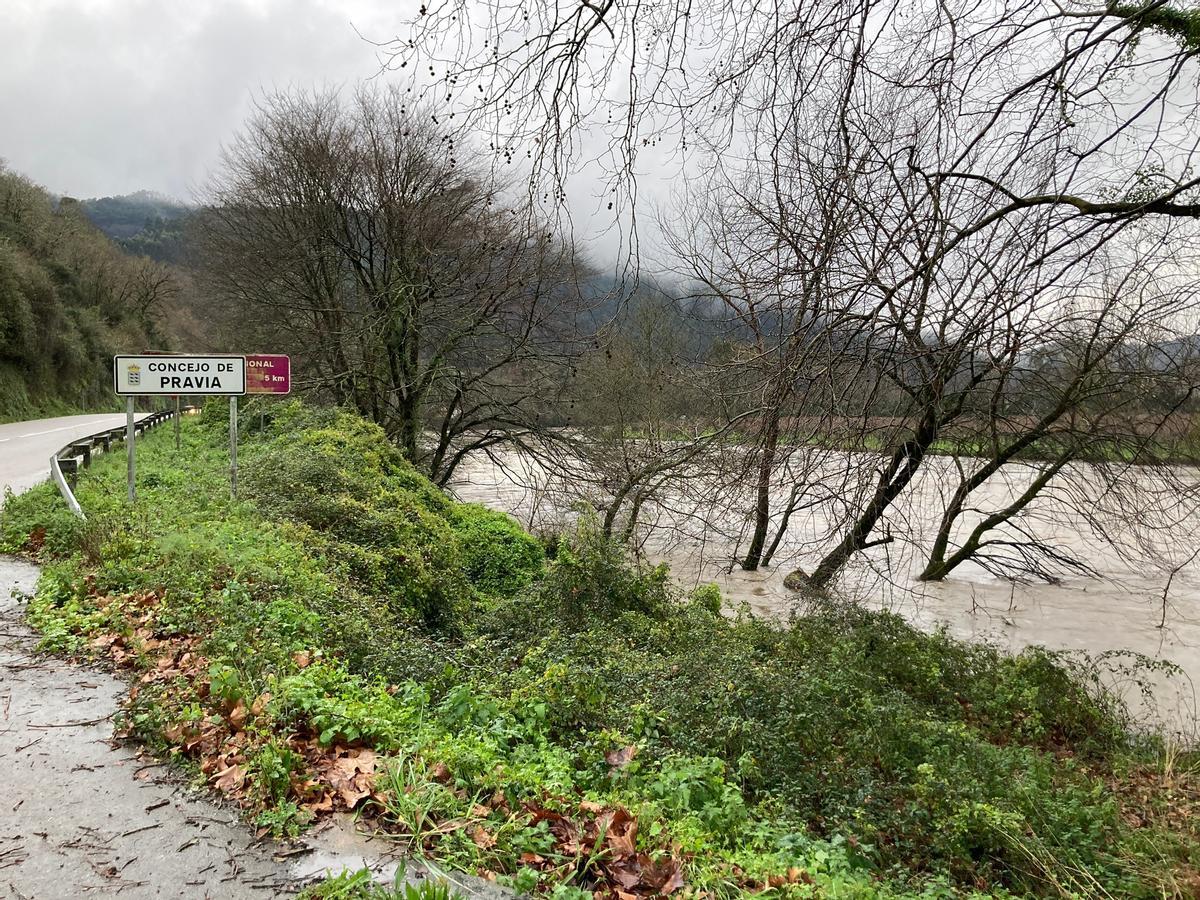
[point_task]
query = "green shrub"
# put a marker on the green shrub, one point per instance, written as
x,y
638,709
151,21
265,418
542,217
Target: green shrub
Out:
x,y
335,705
368,511
591,579
39,511
498,556
708,598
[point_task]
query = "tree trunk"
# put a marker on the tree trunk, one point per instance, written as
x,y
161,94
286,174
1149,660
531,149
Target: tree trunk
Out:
x,y
410,427
610,515
934,566
901,468
783,526
937,569
762,506
635,510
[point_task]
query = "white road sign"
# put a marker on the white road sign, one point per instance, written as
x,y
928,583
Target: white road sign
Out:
x,y
192,375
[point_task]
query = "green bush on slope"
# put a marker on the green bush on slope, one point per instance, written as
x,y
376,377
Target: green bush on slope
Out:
x,y
876,759
498,556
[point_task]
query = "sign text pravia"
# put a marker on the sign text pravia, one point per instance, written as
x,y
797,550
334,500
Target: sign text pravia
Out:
x,y
193,375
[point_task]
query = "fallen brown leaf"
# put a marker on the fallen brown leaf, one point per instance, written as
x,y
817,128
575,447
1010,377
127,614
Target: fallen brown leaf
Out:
x,y
619,759
230,780
258,707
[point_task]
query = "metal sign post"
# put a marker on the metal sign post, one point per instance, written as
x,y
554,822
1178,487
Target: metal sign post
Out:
x,y
233,431
268,373
158,374
129,434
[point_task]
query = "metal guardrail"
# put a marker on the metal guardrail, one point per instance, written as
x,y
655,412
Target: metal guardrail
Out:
x,y
66,463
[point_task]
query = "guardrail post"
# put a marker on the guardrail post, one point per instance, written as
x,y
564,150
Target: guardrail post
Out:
x,y
56,473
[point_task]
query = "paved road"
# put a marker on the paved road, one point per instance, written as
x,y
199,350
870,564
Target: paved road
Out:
x,y
26,447
84,815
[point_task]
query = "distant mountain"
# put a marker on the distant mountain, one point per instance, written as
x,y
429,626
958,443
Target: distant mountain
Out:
x,y
143,223
125,216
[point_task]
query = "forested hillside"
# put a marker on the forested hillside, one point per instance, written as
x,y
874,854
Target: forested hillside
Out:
x,y
142,223
124,216
69,298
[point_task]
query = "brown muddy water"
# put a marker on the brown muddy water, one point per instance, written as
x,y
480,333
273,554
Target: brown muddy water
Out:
x,y
1118,608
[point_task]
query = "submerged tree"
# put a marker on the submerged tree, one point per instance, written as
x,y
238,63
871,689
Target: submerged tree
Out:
x,y
893,195
1091,418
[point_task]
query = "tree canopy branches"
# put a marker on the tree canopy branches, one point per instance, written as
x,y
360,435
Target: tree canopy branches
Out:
x,y
401,274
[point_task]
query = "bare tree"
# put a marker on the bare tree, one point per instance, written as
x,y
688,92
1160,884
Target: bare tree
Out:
x,y
410,287
642,423
900,194
1096,389
1097,88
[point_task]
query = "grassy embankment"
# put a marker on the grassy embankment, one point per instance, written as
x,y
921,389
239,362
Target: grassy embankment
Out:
x,y
347,637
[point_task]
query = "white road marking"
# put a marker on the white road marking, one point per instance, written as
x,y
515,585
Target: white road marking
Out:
x,y
52,430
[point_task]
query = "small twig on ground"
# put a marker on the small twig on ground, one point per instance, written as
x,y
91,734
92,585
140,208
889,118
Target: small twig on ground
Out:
x,y
72,724
296,851
139,830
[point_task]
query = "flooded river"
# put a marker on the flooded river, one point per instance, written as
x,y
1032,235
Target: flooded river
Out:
x,y
1118,608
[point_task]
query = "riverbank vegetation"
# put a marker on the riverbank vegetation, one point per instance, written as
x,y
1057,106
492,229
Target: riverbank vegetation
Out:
x,y
550,713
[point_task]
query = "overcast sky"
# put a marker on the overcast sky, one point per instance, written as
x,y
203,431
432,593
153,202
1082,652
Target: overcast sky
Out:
x,y
101,97
106,97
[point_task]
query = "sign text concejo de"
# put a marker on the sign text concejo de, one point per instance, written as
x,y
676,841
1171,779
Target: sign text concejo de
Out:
x,y
193,375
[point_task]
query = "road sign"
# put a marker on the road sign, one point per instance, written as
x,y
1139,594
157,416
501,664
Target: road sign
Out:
x,y
189,375
268,373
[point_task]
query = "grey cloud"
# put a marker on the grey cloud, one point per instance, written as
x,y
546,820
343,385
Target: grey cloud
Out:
x,y
107,98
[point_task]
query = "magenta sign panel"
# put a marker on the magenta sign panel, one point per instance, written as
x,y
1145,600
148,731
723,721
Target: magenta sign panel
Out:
x,y
268,373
